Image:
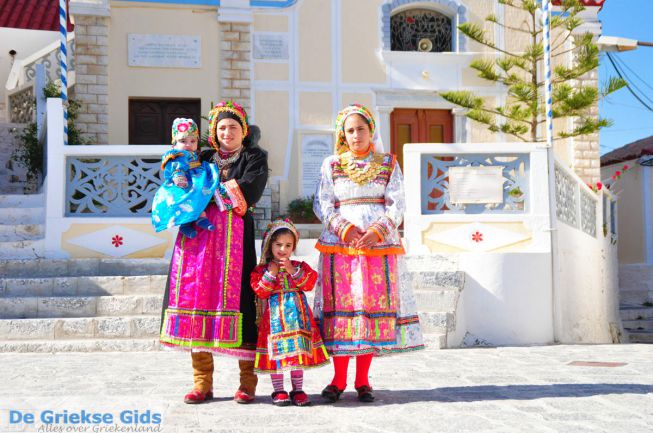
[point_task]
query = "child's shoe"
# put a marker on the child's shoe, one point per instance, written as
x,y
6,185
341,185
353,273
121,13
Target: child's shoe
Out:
x,y
365,394
205,224
299,398
188,230
280,398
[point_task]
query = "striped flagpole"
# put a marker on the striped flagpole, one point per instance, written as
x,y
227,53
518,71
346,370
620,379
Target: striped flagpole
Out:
x,y
63,30
548,90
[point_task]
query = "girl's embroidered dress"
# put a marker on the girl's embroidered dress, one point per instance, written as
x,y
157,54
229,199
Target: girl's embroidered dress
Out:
x,y
288,336
363,302
172,205
209,304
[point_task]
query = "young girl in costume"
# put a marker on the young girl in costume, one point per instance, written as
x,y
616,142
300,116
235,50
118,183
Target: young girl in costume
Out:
x,y
288,337
188,184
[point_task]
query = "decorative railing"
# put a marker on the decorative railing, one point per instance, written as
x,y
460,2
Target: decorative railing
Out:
x,y
111,186
23,71
435,195
21,104
576,204
22,77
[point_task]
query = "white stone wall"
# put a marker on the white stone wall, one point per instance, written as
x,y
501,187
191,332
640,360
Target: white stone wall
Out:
x,y
92,65
235,54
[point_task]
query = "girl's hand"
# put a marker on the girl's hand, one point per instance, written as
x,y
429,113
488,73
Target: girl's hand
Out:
x,y
353,236
286,263
368,239
273,268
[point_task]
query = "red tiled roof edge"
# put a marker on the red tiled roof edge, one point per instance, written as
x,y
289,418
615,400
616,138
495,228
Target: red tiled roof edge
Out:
x,y
630,151
32,15
584,2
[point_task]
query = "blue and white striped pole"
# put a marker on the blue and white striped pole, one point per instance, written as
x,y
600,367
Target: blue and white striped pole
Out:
x,y
63,30
548,90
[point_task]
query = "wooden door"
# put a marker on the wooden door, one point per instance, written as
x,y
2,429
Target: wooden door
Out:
x,y
411,125
150,120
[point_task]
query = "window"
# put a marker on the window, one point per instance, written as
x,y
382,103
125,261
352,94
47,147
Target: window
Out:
x,y
421,30
150,120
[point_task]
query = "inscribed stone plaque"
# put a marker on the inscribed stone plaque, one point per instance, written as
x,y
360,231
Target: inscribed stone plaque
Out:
x,y
476,185
270,46
164,51
314,149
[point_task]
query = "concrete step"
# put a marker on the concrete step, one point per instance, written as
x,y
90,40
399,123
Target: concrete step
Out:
x,y
21,232
43,268
635,277
635,296
21,201
437,280
11,187
82,286
86,345
436,300
22,215
79,306
144,326
638,325
641,337
28,249
635,312
436,322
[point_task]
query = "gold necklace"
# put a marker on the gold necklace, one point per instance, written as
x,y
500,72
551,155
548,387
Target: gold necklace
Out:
x,y
361,174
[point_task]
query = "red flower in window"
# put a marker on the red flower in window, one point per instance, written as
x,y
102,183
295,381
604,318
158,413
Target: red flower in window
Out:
x,y
477,237
117,241
410,20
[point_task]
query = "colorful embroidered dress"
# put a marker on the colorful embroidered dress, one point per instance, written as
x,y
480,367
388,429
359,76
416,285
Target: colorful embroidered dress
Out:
x,y
172,205
361,301
209,304
288,338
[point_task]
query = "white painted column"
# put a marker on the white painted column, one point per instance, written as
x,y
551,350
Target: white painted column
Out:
x,y
384,128
647,208
55,180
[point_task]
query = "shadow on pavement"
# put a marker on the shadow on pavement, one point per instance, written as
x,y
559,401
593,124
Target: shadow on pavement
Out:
x,y
494,392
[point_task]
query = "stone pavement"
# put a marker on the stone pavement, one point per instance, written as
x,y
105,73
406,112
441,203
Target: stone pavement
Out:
x,y
502,390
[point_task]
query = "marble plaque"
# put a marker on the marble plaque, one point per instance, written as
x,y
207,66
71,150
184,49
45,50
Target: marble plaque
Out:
x,y
314,149
476,185
270,46
164,51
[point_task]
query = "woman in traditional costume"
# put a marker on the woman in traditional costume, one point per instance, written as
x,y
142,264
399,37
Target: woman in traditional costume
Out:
x,y
209,305
363,306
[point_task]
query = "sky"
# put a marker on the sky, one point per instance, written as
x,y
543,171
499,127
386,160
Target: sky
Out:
x,y
631,19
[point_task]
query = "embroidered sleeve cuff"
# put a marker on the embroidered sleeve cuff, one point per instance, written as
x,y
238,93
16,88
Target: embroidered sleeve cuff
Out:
x,y
299,277
236,196
344,230
379,231
268,281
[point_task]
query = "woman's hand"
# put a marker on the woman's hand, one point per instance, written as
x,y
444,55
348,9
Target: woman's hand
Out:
x,y
353,236
368,239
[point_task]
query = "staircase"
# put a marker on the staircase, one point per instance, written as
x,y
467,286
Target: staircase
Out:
x,y
81,305
636,301
84,305
21,226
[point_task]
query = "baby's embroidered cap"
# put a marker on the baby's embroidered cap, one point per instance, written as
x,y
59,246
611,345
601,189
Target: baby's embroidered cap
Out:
x,y
182,128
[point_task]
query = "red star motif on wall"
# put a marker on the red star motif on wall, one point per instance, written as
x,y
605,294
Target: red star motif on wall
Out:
x,y
117,241
477,237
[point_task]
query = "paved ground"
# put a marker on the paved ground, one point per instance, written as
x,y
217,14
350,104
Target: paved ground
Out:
x,y
502,390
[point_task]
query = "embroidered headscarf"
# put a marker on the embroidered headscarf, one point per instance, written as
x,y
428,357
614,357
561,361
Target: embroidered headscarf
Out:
x,y
226,110
341,141
182,128
266,247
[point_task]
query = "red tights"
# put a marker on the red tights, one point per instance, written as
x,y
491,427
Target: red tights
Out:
x,y
340,364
